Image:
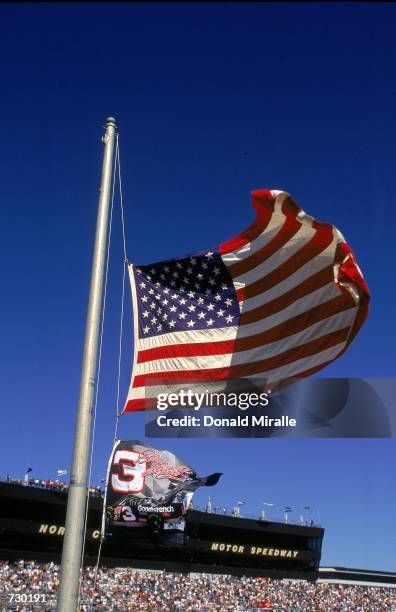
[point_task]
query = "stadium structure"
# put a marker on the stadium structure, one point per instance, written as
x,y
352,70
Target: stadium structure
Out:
x,y
32,527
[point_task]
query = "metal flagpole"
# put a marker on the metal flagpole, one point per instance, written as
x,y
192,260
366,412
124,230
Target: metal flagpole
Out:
x,y
76,505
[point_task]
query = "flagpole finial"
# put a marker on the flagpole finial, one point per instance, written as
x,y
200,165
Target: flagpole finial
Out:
x,y
111,121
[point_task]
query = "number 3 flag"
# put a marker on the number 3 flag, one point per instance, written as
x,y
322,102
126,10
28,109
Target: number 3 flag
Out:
x,y
281,300
145,484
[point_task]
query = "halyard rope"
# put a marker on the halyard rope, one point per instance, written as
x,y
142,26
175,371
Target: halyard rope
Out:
x,y
123,286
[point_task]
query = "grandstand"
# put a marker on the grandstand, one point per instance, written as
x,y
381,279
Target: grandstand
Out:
x,y
345,575
125,589
212,569
32,527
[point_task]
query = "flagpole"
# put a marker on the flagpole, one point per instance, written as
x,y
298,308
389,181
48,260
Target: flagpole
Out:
x,y
76,505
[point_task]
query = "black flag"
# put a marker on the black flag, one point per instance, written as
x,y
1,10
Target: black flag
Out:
x,y
149,487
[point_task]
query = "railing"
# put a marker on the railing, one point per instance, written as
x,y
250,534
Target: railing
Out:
x,y
238,513
50,485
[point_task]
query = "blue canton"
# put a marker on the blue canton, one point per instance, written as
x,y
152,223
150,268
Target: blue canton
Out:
x,y
184,295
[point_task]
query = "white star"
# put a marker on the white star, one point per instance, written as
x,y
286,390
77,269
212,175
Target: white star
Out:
x,y
182,289
191,323
228,302
158,285
172,309
152,305
186,280
202,315
229,318
142,285
220,313
224,287
216,271
208,291
152,270
158,297
146,314
209,322
144,298
159,310
196,285
182,315
193,261
200,276
217,297
174,296
182,301
212,281
191,294
192,308
159,327
165,316
154,320
173,283
189,270
165,302
204,265
151,291
162,276
166,268
166,290
146,330
210,307
175,274
200,300
209,254
179,265
172,323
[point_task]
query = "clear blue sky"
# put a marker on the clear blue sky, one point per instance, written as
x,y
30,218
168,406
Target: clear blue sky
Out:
x,y
212,101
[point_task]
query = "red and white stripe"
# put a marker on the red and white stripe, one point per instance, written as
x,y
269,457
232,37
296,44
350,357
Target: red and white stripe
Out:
x,y
302,300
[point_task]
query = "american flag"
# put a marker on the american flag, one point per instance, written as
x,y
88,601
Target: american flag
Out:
x,y
281,300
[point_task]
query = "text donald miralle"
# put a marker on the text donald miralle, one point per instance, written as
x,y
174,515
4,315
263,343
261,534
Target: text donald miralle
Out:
x,y
196,401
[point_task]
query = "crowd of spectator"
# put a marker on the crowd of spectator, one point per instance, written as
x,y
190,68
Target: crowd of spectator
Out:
x,y
137,591
52,485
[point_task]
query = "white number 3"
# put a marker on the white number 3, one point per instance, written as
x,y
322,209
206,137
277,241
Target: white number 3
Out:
x,y
131,479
